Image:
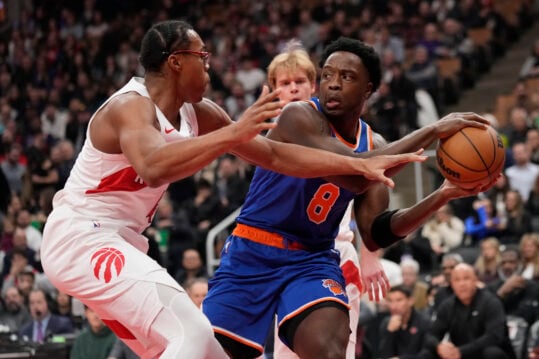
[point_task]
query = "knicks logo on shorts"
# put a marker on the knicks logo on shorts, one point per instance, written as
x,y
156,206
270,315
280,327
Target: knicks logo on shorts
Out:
x,y
108,263
334,286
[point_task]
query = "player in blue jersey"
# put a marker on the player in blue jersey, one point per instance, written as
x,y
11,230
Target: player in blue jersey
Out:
x,y
294,74
280,258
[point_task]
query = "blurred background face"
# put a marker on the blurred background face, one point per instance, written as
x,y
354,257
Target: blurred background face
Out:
x,y
489,250
38,305
509,263
464,283
197,292
409,276
191,259
96,324
447,268
293,86
399,303
13,299
529,248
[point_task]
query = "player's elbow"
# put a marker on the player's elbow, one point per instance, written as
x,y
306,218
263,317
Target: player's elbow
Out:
x,y
152,177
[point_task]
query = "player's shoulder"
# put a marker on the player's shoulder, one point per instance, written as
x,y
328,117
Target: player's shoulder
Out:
x,y
207,107
130,102
301,112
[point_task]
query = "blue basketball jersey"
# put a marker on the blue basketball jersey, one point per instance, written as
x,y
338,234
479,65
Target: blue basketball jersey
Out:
x,y
304,210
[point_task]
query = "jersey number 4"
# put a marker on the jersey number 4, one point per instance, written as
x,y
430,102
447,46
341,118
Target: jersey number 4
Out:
x,y
322,202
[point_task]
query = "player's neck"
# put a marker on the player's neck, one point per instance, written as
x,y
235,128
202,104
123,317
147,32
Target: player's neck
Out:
x,y
164,94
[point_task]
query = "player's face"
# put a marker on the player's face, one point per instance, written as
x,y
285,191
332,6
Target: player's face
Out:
x,y
344,85
293,86
194,74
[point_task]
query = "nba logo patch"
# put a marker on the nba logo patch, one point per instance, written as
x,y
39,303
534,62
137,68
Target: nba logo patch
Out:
x,y
333,286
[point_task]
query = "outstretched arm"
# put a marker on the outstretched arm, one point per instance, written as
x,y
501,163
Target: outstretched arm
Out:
x,y
299,161
128,125
389,227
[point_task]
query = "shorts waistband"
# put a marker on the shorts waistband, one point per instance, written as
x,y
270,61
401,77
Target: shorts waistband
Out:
x,y
264,237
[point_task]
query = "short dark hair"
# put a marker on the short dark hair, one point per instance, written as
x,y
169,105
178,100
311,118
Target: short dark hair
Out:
x,y
366,53
400,288
161,40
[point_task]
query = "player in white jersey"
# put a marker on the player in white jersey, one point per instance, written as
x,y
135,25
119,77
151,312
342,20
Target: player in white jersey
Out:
x,y
138,141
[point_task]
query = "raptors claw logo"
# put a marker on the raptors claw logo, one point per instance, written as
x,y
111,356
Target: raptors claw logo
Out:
x,y
107,262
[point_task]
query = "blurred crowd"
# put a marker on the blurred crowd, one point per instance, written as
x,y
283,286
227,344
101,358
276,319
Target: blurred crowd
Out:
x,y
59,60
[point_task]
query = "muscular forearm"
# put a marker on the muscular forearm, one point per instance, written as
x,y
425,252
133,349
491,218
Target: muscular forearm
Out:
x,y
405,221
414,141
295,160
180,159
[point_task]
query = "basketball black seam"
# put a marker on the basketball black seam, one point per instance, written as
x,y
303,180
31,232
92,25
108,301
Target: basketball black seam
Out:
x,y
458,162
476,151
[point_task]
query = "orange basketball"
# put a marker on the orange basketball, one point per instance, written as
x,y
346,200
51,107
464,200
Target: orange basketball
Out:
x,y
471,157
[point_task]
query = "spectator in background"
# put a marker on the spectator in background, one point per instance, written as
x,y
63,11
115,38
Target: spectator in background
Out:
x,y
402,333
484,223
424,73
417,247
497,194
518,294
197,289
54,122
385,40
15,312
230,186
411,281
250,76
444,231
532,141
518,221
533,341
43,324
530,67
517,126
20,247
95,341
487,263
403,89
238,100
120,350
191,267
385,113
523,173
33,235
445,291
473,318
201,213
13,168
529,251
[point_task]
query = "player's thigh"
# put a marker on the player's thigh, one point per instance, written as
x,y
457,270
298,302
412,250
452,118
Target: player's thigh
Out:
x,y
323,333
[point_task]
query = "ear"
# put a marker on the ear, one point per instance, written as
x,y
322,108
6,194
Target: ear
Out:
x,y
174,62
368,91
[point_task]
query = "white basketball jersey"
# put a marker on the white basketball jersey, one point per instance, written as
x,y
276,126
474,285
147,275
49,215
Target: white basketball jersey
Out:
x,y
107,186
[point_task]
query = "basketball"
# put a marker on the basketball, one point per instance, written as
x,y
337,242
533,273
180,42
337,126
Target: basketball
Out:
x,y
471,157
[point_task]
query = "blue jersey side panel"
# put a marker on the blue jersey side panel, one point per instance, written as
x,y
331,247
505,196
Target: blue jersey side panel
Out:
x,y
279,203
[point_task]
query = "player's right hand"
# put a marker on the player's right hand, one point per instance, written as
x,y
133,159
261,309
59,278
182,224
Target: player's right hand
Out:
x,y
255,118
455,121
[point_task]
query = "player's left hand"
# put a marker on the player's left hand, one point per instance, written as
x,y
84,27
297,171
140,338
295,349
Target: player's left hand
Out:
x,y
452,191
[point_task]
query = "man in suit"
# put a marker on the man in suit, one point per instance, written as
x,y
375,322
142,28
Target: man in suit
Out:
x,y
43,323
